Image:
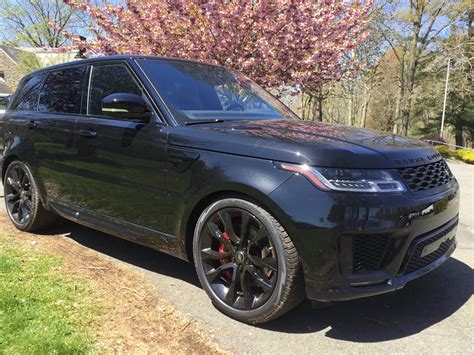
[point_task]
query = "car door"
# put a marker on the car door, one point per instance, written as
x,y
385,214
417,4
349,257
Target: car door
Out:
x,y
51,132
121,163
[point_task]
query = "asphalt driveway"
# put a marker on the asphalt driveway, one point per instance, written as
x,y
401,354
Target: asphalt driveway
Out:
x,y
434,314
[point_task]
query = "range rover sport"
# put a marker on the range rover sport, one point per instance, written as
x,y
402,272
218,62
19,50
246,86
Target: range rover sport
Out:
x,y
198,161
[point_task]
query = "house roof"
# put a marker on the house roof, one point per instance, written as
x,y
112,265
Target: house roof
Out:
x,y
4,89
12,53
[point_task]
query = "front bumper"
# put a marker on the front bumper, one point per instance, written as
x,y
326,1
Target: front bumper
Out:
x,y
371,285
353,246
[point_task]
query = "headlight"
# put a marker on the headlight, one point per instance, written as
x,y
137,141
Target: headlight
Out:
x,y
340,179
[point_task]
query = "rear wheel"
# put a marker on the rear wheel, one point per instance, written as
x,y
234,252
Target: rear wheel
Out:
x,y
22,199
246,261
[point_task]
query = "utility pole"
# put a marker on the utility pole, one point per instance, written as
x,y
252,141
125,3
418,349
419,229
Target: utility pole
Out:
x,y
441,133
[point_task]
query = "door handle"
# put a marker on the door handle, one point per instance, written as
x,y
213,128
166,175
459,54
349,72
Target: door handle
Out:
x,y
31,124
88,133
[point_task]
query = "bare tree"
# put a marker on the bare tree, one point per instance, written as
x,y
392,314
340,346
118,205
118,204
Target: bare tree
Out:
x,y
410,28
30,22
347,101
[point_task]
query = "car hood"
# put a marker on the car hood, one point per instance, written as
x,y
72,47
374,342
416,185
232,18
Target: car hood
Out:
x,y
304,142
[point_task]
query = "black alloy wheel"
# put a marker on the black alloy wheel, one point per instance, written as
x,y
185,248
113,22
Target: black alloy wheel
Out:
x,y
242,262
22,199
18,196
239,258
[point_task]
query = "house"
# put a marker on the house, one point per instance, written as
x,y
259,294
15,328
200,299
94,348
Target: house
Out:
x,y
4,89
11,70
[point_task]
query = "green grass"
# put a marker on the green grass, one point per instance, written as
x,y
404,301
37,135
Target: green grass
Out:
x,y
41,310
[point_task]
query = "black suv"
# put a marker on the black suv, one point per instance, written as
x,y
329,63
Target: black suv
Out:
x,y
198,161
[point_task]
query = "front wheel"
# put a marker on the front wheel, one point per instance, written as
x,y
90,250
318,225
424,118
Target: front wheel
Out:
x,y
246,261
22,199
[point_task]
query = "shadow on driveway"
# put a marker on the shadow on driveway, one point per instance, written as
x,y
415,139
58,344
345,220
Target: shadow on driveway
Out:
x,y
421,304
128,252
418,306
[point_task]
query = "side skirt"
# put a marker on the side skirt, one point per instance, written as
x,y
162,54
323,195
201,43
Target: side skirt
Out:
x,y
148,237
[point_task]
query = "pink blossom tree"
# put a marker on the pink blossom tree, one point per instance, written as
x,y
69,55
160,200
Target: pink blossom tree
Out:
x,y
292,43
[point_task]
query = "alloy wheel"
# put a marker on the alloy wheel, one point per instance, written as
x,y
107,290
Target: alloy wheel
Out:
x,y
18,196
238,258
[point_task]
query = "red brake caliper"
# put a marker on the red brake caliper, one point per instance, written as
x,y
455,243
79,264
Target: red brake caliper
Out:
x,y
223,250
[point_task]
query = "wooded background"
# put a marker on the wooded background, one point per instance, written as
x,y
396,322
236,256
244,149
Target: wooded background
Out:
x,y
387,70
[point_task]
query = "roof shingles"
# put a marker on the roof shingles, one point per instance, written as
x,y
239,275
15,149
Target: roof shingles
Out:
x,y
12,53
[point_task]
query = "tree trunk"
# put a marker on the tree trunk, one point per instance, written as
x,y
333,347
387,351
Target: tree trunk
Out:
x,y
312,107
351,109
458,133
401,94
413,58
365,108
407,104
319,105
304,106
307,109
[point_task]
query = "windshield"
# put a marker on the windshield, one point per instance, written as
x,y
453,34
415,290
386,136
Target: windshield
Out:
x,y
195,91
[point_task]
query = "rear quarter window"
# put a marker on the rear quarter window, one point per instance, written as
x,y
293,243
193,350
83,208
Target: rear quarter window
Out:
x,y
28,93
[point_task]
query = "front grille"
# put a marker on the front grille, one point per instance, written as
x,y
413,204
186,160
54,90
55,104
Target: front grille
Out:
x,y
424,177
415,260
368,252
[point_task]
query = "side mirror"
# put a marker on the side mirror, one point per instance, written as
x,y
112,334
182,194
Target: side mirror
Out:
x,y
127,106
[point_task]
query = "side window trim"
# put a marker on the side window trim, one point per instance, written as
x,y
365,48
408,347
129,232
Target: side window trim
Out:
x,y
89,81
83,87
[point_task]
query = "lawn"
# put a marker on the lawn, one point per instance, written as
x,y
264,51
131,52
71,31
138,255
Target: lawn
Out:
x,y
41,310
60,297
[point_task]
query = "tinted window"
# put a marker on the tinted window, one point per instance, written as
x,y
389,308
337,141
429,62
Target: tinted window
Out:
x,y
28,94
200,91
107,80
62,91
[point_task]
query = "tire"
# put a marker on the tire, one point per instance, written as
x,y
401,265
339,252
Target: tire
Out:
x,y
22,199
259,249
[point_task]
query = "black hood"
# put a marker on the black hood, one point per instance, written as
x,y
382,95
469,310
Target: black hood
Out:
x,y
312,143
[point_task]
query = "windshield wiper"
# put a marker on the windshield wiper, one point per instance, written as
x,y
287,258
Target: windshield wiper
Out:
x,y
217,120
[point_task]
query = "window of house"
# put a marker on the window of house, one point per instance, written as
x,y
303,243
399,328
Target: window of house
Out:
x,y
62,91
107,80
2,75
